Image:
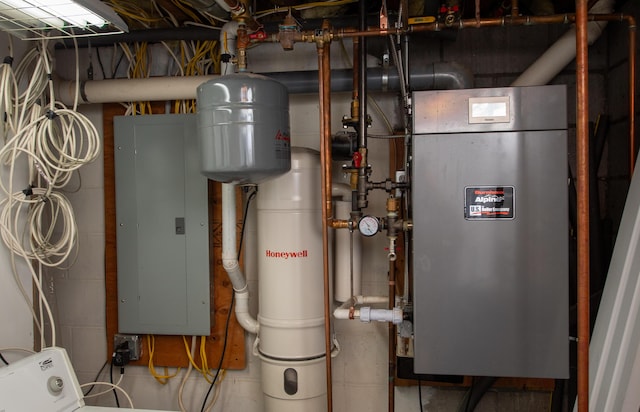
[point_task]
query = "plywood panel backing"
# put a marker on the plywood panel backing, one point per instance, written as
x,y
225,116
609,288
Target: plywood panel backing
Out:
x,y
170,350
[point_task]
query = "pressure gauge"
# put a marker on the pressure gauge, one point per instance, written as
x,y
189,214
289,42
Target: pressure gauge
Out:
x,y
368,225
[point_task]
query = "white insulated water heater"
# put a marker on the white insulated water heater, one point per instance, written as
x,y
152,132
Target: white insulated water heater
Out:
x,y
291,288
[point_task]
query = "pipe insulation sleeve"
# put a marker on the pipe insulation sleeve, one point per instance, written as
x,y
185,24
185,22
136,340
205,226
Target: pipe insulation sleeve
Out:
x,y
230,259
423,77
563,51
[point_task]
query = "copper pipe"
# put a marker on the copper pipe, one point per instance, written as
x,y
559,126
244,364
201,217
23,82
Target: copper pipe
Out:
x,y
582,151
324,78
485,22
515,11
632,94
581,17
243,14
478,11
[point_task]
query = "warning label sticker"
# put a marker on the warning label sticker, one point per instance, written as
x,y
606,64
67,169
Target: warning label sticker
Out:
x,y
489,202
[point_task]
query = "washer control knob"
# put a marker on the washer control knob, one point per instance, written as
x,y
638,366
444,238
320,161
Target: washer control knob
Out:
x,y
55,384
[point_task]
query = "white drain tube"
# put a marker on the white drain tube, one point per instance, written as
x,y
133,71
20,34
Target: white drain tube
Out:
x,y
290,324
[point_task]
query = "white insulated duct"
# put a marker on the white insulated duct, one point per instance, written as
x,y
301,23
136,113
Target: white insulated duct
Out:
x,y
563,51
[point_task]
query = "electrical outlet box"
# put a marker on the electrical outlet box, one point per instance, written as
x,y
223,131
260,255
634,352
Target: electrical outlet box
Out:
x,y
133,342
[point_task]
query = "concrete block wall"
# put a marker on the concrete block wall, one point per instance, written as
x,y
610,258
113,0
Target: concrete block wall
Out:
x,y
496,56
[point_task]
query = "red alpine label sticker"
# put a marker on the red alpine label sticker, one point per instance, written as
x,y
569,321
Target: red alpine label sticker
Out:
x,y
489,202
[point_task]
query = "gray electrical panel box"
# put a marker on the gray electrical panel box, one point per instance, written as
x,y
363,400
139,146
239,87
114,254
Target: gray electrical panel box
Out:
x,y
162,227
490,237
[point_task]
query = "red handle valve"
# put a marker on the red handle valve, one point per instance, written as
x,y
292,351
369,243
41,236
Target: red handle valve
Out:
x,y
357,160
259,35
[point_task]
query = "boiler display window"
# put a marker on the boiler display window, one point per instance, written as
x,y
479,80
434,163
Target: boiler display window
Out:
x,y
489,109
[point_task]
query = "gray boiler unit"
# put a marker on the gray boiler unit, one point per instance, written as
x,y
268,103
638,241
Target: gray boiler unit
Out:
x,y
490,238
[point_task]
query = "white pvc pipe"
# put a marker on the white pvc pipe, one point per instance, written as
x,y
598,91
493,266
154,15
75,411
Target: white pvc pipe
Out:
x,y
341,190
228,36
344,311
563,51
381,315
230,259
343,269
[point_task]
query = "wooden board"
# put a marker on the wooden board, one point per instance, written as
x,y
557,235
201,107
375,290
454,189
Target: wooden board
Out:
x,y
170,350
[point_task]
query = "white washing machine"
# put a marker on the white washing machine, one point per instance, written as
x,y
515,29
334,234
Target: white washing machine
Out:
x,y
44,381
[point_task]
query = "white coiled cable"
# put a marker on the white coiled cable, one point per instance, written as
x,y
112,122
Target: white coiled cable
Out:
x,y
51,142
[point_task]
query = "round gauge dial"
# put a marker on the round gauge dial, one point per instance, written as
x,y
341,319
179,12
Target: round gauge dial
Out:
x,y
368,225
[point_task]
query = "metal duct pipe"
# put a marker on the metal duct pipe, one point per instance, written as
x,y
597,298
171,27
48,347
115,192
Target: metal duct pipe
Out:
x,y
423,77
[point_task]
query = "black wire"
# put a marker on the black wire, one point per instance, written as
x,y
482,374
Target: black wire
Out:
x,y
224,350
104,75
115,71
3,360
96,378
115,394
244,220
420,395
233,296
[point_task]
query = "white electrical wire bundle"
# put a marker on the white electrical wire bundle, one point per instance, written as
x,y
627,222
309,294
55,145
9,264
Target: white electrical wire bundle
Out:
x,y
8,95
50,142
64,141
112,386
35,238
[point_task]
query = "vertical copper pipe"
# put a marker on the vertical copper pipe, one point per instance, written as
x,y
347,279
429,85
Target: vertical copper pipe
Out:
x,y
632,94
478,11
514,8
324,78
582,149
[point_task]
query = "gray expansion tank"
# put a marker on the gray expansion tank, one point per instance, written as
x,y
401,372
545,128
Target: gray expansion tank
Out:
x,y
243,128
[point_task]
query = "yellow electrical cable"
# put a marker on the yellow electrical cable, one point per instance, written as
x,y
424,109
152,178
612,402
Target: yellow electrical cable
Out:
x,y
133,12
304,6
162,379
203,356
183,7
191,360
